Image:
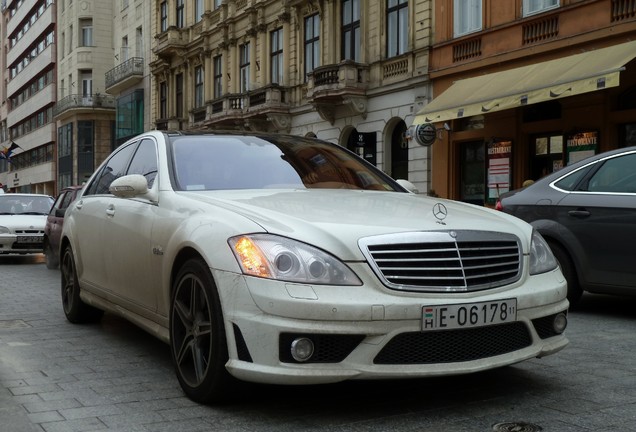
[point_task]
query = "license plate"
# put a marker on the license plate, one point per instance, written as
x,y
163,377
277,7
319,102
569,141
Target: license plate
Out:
x,y
465,315
30,239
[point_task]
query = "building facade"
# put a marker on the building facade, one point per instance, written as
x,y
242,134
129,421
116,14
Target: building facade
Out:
x,y
28,95
348,71
526,87
129,80
84,112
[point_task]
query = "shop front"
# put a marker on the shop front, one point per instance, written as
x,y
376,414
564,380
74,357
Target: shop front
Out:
x,y
509,127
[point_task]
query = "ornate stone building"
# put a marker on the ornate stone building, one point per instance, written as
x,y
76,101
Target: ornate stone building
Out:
x,y
348,71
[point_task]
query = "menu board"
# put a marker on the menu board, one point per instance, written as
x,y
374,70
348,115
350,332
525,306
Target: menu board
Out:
x,y
499,154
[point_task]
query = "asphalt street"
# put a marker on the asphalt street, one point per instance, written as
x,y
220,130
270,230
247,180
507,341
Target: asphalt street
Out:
x,y
111,376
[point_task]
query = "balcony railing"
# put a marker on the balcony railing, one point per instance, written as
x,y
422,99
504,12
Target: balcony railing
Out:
x,y
344,78
133,67
78,101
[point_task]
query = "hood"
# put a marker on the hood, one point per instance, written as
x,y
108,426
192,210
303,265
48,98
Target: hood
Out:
x,y
336,219
23,222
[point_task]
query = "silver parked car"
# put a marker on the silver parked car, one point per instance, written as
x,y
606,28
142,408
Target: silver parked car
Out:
x,y
587,214
288,260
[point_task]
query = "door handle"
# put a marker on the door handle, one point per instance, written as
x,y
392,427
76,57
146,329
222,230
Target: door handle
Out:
x,y
110,210
579,213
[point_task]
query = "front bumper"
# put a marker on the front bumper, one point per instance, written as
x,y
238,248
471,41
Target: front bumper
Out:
x,y
9,244
370,332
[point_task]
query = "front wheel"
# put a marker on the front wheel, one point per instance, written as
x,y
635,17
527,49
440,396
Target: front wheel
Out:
x,y
567,268
197,335
75,309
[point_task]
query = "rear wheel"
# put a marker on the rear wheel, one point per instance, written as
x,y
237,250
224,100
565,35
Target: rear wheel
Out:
x,y
197,335
75,309
567,268
51,260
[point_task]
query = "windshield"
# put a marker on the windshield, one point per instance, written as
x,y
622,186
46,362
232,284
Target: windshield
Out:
x,y
11,204
246,162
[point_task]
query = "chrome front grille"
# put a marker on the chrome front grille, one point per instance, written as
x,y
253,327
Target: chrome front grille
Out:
x,y
444,260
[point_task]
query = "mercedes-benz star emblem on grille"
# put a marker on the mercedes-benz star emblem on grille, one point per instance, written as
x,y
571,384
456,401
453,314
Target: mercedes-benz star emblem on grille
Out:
x,y
440,212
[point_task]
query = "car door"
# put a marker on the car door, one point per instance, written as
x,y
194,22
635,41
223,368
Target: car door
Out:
x,y
91,223
602,216
55,219
127,243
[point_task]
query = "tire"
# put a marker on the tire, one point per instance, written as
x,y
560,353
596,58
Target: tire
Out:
x,y
51,260
75,309
197,336
567,268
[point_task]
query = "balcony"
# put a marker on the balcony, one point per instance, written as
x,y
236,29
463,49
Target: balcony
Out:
x,y
77,104
125,75
342,85
171,42
263,109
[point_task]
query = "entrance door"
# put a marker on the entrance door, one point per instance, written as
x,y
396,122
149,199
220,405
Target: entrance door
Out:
x,y
547,154
473,172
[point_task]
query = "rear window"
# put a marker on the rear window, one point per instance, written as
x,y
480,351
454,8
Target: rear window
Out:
x,y
572,180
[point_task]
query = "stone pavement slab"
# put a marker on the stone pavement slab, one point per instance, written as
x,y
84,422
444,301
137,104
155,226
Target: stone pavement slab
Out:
x,y
113,377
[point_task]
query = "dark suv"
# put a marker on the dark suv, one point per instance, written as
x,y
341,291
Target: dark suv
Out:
x,y
54,223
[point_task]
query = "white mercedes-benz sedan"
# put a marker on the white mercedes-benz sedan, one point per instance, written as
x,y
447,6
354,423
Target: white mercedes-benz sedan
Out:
x,y
289,260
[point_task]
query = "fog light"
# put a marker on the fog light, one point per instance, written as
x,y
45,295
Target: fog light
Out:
x,y
560,323
302,349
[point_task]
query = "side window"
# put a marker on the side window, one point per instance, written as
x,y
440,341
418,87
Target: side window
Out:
x,y
114,168
67,200
59,202
616,175
145,161
570,182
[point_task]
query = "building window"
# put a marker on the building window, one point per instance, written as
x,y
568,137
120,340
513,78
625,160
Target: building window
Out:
x,y
198,87
198,10
276,40
86,29
218,77
397,27
531,7
130,116
164,16
86,77
244,68
124,49
351,30
547,154
180,17
467,16
163,100
179,94
312,43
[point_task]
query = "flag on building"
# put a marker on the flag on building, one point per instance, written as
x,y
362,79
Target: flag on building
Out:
x,y
6,152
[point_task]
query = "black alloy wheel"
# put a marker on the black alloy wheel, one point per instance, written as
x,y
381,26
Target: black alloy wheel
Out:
x,y
197,335
75,309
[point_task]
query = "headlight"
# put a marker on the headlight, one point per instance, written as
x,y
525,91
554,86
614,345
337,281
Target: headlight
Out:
x,y
541,258
274,257
4,230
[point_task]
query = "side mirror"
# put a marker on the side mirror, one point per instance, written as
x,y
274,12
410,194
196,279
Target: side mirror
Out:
x,y
129,186
408,186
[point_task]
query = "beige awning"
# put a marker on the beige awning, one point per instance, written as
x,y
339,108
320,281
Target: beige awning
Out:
x,y
567,76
